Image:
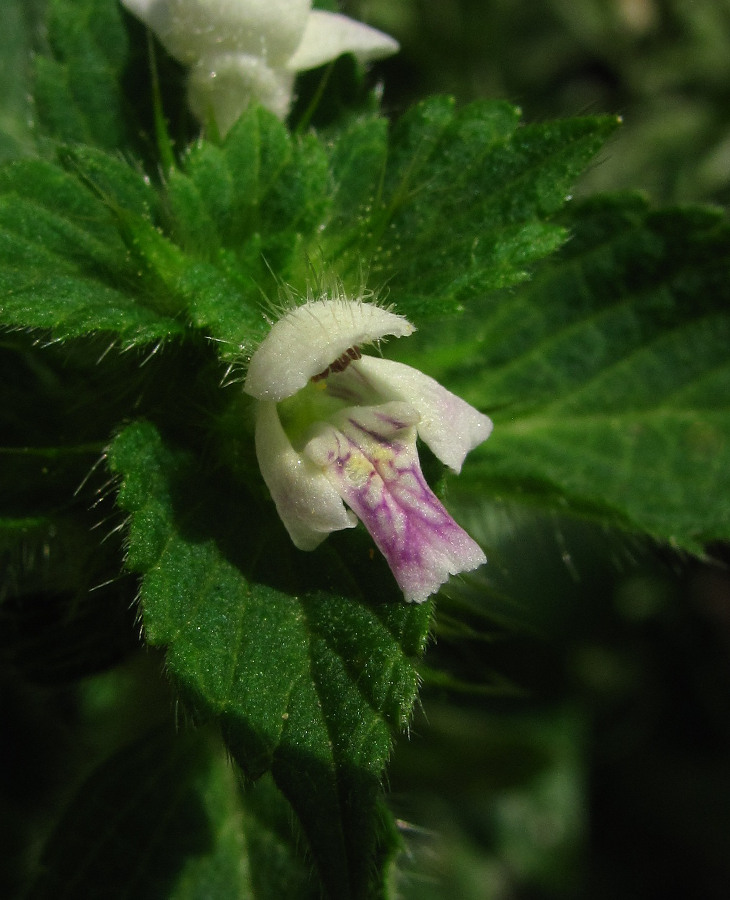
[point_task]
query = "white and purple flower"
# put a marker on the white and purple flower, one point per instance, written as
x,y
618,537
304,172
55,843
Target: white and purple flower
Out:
x,y
336,429
240,51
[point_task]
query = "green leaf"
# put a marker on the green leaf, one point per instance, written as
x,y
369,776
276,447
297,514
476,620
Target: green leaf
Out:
x,y
90,245
249,202
390,211
78,83
65,264
82,253
166,817
112,180
358,160
306,660
244,214
463,204
609,377
83,250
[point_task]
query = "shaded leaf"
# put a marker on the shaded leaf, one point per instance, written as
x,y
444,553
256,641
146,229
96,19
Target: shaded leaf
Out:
x,y
77,91
166,817
64,611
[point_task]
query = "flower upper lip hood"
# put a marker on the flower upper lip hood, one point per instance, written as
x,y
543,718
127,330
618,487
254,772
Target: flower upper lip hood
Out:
x,y
336,439
305,342
244,50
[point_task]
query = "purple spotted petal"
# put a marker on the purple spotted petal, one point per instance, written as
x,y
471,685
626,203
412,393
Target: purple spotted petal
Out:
x,y
369,455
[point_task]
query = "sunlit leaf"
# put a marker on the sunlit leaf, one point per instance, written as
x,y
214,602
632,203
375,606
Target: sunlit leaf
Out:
x,y
609,376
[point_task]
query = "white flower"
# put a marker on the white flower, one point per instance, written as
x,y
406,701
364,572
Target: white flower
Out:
x,y
333,426
244,50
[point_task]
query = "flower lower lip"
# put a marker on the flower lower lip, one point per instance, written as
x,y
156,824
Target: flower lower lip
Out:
x,y
369,455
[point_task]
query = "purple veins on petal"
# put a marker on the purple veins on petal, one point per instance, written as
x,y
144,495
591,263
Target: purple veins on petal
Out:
x,y
371,459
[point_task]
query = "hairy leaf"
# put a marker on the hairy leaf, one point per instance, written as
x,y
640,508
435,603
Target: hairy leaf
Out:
x,y
90,245
609,376
463,203
66,264
307,660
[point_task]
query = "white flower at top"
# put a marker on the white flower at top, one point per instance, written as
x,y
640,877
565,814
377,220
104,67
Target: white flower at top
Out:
x,y
241,51
336,439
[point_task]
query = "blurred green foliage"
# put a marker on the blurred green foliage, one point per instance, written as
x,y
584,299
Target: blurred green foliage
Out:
x,y
663,65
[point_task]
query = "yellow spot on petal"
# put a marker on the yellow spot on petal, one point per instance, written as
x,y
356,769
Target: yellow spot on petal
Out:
x,y
357,470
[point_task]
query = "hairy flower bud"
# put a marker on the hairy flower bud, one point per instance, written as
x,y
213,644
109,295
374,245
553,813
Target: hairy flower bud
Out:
x,y
243,51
